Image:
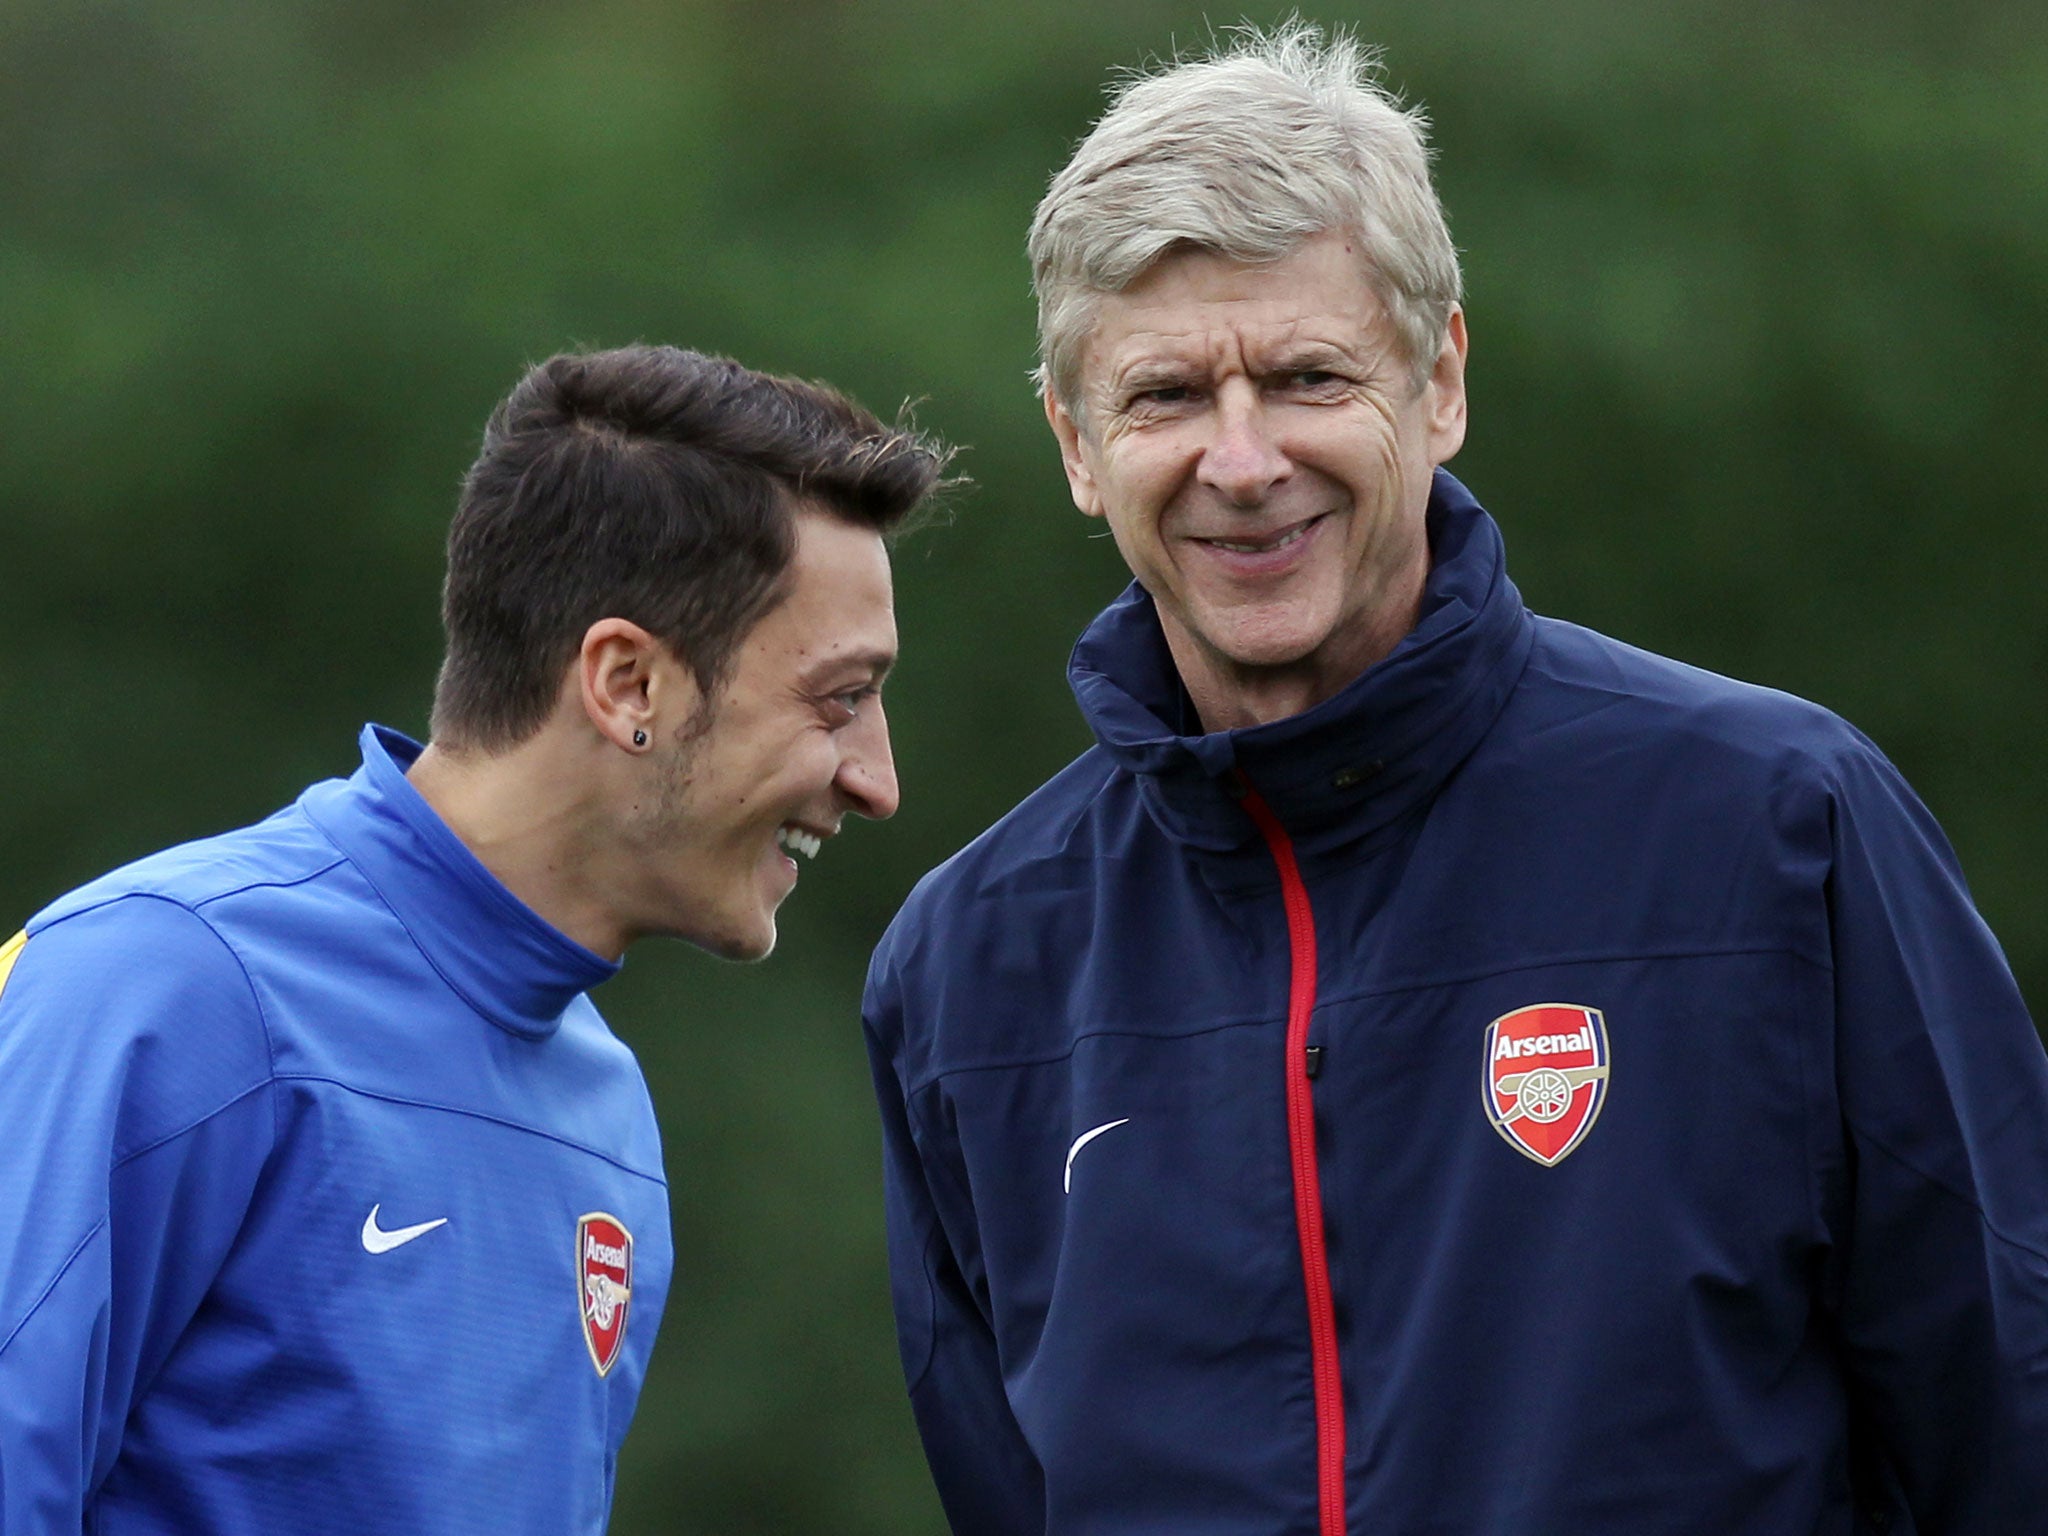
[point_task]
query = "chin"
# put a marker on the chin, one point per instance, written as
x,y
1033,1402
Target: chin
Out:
x,y
1270,646
746,949
1275,635
742,943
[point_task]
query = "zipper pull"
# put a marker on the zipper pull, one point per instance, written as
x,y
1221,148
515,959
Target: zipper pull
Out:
x,y
1312,1063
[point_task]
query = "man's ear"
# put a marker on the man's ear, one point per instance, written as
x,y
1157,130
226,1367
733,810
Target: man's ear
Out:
x,y
1446,388
1080,477
634,689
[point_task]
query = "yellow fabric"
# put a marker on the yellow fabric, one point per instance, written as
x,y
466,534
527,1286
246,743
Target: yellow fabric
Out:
x,y
9,953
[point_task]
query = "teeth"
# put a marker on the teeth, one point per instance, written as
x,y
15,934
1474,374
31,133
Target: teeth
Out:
x,y
797,840
1244,548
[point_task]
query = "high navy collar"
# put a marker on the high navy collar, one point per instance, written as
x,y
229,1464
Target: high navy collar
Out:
x,y
1353,764
506,961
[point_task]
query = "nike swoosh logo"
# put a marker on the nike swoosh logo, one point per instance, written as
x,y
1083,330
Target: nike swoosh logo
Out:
x,y
377,1240
1081,1141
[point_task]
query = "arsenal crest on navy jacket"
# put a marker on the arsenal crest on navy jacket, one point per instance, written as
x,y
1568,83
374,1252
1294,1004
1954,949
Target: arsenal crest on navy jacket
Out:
x,y
1544,1088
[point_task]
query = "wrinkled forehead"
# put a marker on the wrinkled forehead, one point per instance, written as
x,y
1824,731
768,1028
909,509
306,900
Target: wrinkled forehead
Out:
x,y
1197,306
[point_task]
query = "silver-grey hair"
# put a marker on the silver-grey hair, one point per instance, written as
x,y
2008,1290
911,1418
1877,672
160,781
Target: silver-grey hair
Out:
x,y
1269,140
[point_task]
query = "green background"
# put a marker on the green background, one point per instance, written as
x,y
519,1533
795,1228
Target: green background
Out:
x,y
1757,305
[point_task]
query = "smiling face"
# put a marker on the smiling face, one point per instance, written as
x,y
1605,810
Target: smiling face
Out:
x,y
1257,444
797,740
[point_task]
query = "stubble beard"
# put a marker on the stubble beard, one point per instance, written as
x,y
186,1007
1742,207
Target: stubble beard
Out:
x,y
678,763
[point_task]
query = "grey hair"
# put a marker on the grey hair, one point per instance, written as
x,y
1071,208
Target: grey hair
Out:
x,y
1271,139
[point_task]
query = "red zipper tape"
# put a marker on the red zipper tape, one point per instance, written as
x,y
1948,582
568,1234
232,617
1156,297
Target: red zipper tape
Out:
x,y
1308,1190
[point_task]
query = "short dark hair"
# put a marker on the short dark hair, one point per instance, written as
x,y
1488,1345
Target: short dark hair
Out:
x,y
652,484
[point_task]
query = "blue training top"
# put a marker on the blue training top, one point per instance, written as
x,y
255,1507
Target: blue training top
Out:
x,y
327,1201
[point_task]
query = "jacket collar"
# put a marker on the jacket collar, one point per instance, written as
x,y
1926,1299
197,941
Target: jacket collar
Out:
x,y
506,961
1358,761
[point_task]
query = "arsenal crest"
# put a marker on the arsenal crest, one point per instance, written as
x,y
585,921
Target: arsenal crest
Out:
x,y
604,1262
1546,1077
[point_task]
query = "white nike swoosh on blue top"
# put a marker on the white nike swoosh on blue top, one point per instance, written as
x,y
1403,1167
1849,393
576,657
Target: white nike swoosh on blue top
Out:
x,y
377,1240
1081,1141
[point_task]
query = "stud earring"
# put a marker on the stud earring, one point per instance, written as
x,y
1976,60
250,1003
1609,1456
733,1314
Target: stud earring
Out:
x,y
639,738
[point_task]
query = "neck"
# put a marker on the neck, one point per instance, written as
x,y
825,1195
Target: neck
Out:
x,y
530,816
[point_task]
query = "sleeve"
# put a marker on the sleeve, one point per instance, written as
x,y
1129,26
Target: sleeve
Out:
x,y
988,1480
133,1124
1941,1252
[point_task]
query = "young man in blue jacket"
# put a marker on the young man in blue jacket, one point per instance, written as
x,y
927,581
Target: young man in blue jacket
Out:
x,y
1428,1068
327,1201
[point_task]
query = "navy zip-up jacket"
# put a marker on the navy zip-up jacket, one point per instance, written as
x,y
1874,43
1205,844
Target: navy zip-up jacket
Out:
x,y
1544,1088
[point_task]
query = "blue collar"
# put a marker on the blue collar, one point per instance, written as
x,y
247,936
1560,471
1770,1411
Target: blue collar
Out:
x,y
503,958
1357,762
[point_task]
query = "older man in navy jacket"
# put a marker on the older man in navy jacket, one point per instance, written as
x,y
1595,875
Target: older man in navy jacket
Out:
x,y
1429,1068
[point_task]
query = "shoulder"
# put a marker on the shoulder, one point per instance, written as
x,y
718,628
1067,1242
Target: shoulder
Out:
x,y
236,900
131,991
134,1011
1045,849
1585,691
123,939
598,1094
276,854
1613,751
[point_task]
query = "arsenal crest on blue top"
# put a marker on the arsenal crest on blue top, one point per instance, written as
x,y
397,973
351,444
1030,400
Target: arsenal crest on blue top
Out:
x,y
604,1263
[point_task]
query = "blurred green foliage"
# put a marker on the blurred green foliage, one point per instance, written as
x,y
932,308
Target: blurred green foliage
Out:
x,y
1757,296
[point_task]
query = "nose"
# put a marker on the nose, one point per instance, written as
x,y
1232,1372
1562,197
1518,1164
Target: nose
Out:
x,y
1241,461
867,769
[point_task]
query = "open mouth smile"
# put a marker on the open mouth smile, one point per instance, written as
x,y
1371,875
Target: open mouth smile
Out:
x,y
795,839
1270,544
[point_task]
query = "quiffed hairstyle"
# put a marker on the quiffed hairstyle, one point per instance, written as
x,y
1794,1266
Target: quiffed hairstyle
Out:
x,y
1275,137
651,484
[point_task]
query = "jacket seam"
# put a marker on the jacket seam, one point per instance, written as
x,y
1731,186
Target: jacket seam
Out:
x,y
932,1162
1954,1194
185,1130
1256,1020
47,1291
191,908
1046,1059
1585,957
475,1114
1805,1054
125,1158
249,981
931,1295
191,905
259,885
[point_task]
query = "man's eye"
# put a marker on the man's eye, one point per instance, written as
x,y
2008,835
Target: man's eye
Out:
x,y
847,704
1162,394
1314,378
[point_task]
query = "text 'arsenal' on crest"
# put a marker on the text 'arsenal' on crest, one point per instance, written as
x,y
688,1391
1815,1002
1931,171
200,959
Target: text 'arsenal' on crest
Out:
x,y
1546,1077
604,1266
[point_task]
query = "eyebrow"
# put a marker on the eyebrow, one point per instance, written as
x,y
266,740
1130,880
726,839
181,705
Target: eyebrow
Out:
x,y
1309,353
1150,374
875,662
1155,373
